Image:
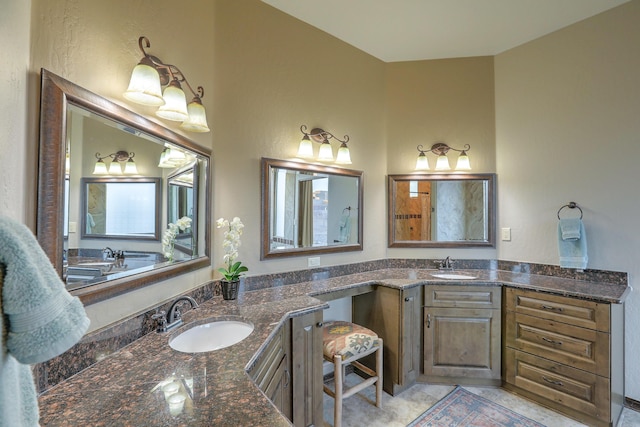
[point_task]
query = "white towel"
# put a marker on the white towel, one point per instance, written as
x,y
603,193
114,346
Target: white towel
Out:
x,y
572,251
42,320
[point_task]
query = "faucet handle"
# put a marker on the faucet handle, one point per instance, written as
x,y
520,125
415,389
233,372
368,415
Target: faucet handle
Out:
x,y
161,317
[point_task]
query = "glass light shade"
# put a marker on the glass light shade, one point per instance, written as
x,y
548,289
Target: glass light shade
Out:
x,y
144,86
442,164
130,167
343,157
326,152
175,107
67,164
463,162
422,163
197,120
163,163
115,168
100,168
305,149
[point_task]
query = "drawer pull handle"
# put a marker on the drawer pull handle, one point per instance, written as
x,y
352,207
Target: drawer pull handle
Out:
x,y
287,375
407,299
559,383
319,324
551,341
548,307
428,320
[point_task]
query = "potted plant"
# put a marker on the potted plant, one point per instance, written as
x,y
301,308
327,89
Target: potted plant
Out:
x,y
234,269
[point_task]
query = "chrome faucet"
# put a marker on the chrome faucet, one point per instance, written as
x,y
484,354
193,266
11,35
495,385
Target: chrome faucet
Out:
x,y
107,253
446,264
166,322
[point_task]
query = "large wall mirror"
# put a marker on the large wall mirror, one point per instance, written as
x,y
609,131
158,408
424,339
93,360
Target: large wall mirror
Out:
x,y
309,209
441,210
103,230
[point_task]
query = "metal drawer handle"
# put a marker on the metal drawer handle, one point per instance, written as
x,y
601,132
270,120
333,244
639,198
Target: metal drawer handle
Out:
x,y
407,299
548,307
551,341
319,324
553,381
288,377
428,321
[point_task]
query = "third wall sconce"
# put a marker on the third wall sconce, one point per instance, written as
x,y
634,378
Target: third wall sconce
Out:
x,y
442,163
115,168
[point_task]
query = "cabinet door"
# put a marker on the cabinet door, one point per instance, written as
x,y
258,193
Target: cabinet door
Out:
x,y
306,354
279,388
462,344
411,327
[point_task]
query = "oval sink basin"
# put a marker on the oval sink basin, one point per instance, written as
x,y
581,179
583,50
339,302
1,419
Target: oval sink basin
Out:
x,y
211,336
452,276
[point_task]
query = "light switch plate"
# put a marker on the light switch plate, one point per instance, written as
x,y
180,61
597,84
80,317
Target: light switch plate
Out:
x,y
73,227
313,261
506,234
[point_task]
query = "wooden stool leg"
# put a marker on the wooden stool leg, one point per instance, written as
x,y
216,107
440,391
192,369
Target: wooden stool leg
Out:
x,y
337,374
379,373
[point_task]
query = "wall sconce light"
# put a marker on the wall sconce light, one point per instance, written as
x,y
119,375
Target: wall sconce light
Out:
x,y
115,168
325,153
172,158
442,163
145,87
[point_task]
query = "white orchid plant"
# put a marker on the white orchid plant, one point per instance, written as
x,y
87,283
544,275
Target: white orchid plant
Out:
x,y
170,234
230,245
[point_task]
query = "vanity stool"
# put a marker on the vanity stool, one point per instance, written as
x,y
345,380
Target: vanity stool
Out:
x,y
344,343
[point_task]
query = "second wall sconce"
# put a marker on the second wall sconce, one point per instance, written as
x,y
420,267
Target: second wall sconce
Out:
x,y
325,153
145,87
442,163
115,168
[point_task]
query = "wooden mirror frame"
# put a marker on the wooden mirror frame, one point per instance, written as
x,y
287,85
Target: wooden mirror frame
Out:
x,y
266,251
56,94
491,211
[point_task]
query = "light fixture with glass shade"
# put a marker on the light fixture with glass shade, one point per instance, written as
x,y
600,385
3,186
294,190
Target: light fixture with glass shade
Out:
x,y
325,152
115,168
442,163
172,157
145,87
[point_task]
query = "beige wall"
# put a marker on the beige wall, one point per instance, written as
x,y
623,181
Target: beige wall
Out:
x,y
568,129
448,100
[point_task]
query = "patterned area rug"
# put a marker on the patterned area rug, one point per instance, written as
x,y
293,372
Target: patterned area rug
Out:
x,y
461,408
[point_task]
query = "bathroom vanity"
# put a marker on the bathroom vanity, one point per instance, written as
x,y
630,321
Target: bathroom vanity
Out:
x,y
274,376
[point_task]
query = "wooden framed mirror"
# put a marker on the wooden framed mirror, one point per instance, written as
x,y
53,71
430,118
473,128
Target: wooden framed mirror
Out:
x,y
75,126
309,209
441,210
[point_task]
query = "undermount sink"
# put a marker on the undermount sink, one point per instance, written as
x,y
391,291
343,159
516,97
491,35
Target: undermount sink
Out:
x,y
453,276
211,336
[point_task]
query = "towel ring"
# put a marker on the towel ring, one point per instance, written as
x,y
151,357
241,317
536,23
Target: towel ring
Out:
x,y
570,205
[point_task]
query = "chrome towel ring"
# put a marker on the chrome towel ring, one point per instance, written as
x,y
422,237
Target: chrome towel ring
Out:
x,y
570,205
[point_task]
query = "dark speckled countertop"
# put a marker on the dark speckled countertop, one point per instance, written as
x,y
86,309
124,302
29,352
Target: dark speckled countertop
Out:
x,y
124,389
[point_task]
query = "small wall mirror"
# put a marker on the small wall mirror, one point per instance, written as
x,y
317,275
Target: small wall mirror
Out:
x,y
86,216
309,209
441,210
116,208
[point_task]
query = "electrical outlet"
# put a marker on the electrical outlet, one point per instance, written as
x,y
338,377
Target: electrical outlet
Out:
x,y
506,234
313,262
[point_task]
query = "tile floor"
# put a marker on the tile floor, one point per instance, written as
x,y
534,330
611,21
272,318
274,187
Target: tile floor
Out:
x,y
398,411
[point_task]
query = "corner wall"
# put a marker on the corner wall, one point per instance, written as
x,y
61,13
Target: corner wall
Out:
x,y
567,129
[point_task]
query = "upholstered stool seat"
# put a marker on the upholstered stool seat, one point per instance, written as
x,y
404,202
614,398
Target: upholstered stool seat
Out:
x,y
344,343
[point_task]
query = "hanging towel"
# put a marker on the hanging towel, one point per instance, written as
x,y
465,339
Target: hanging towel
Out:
x,y
573,251
42,320
345,228
570,228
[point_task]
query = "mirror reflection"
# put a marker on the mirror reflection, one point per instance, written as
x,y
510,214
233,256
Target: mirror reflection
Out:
x,y
106,194
441,210
121,208
310,209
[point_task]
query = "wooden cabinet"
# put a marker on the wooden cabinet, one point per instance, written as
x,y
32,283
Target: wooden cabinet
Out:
x,y
306,355
462,334
289,370
272,372
566,353
395,315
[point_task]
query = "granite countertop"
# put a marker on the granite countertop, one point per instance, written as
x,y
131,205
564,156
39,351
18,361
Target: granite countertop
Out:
x,y
125,389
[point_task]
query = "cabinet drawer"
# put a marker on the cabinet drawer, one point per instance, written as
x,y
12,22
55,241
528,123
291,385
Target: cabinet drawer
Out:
x,y
574,311
582,391
268,362
578,347
463,296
